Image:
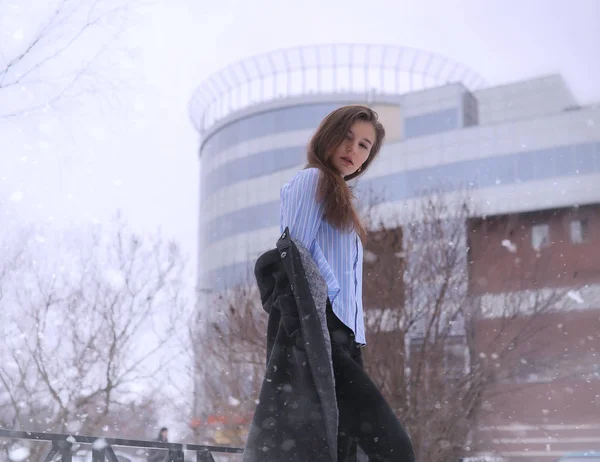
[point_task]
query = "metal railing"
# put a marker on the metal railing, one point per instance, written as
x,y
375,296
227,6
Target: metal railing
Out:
x,y
365,69
102,448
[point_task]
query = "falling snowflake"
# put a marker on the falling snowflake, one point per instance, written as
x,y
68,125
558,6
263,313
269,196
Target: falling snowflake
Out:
x,y
575,295
18,35
115,278
234,401
507,244
71,439
99,444
18,454
369,256
17,196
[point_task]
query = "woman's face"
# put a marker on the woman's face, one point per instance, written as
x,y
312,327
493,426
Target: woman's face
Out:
x,y
349,156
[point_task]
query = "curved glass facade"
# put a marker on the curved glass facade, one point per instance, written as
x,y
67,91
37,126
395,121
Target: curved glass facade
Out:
x,y
521,167
300,117
432,122
252,166
247,154
288,119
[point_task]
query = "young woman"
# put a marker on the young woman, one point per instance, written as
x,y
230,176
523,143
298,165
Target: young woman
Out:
x,y
317,206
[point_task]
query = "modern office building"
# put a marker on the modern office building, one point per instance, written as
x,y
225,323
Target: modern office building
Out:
x,y
529,154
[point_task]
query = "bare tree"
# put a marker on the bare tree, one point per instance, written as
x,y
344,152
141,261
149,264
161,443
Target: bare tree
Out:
x,y
230,362
59,49
452,343
87,329
13,246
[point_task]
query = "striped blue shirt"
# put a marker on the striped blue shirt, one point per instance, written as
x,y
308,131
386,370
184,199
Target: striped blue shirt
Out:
x,y
338,254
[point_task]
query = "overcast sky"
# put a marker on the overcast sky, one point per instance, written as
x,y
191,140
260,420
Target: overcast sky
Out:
x,y
139,153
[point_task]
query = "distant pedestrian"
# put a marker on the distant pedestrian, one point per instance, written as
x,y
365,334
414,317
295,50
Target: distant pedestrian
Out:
x,y
158,455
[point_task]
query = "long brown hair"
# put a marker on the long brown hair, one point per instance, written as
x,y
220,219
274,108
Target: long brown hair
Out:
x,y
333,189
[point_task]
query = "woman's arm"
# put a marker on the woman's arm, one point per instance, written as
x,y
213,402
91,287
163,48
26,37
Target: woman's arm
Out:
x,y
302,213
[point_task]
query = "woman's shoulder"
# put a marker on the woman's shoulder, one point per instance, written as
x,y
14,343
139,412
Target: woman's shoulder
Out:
x,y
311,173
304,178
303,184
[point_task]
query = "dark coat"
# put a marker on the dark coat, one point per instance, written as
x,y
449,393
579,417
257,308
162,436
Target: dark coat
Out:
x,y
297,416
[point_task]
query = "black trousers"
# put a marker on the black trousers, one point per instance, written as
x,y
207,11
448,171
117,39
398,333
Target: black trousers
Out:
x,y
365,417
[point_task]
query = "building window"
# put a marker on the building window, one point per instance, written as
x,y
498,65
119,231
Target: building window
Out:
x,y
456,359
531,370
579,230
540,236
455,356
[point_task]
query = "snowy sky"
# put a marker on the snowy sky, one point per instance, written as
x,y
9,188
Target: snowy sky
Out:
x,y
135,148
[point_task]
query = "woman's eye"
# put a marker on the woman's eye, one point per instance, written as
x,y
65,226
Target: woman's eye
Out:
x,y
364,146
